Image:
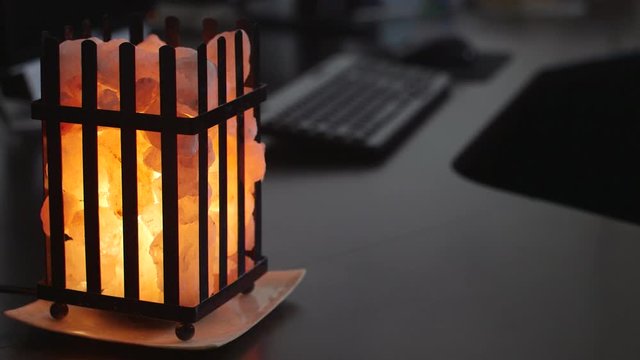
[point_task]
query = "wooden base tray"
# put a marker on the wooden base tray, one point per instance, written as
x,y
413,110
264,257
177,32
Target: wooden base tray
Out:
x,y
222,326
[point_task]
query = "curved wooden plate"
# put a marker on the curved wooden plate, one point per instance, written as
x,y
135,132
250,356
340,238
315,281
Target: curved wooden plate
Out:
x,y
216,329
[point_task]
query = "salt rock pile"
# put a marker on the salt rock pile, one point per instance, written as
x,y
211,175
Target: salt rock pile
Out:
x,y
150,170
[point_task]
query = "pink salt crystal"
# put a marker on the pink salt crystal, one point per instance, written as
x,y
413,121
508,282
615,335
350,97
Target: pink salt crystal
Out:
x,y
109,168
250,124
232,126
212,55
71,150
76,228
44,217
75,252
187,76
188,263
108,100
109,64
71,71
187,81
211,155
111,256
256,165
155,250
71,205
147,95
187,145
189,186
152,159
186,212
187,174
187,162
147,64
151,43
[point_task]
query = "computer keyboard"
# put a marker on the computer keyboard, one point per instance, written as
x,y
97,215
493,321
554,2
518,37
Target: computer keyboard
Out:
x,y
355,100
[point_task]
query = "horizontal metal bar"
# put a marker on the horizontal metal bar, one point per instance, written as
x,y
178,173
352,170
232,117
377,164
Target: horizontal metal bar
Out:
x,y
149,122
228,110
242,283
152,309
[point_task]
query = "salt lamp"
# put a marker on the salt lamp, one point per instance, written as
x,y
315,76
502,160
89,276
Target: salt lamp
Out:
x,y
152,173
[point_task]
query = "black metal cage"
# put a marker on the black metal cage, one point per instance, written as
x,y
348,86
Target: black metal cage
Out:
x,y
169,125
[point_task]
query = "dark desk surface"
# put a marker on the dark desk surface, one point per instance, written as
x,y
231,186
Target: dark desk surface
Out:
x,y
406,259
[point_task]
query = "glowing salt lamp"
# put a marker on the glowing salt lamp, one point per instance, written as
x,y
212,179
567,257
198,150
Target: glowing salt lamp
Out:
x,y
152,173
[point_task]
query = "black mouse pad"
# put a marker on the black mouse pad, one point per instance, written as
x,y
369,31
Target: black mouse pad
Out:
x,y
571,136
483,68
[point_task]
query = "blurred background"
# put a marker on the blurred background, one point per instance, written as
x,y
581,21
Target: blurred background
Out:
x,y
497,217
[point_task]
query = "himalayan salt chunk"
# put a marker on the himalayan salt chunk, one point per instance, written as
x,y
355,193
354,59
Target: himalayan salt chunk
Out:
x,y
109,63
255,164
188,263
75,253
71,205
71,146
187,145
250,125
44,217
108,100
71,71
188,209
147,92
151,218
187,81
76,227
212,55
111,257
188,188
155,250
151,43
152,159
250,234
147,60
189,162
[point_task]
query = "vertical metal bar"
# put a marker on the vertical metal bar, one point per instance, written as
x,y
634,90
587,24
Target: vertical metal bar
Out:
x,y
243,24
172,31
90,166
106,28
203,178
222,162
209,29
241,151
68,32
169,163
129,172
254,36
136,29
86,29
50,67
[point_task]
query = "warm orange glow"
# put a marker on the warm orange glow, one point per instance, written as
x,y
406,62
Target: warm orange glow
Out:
x,y
150,171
